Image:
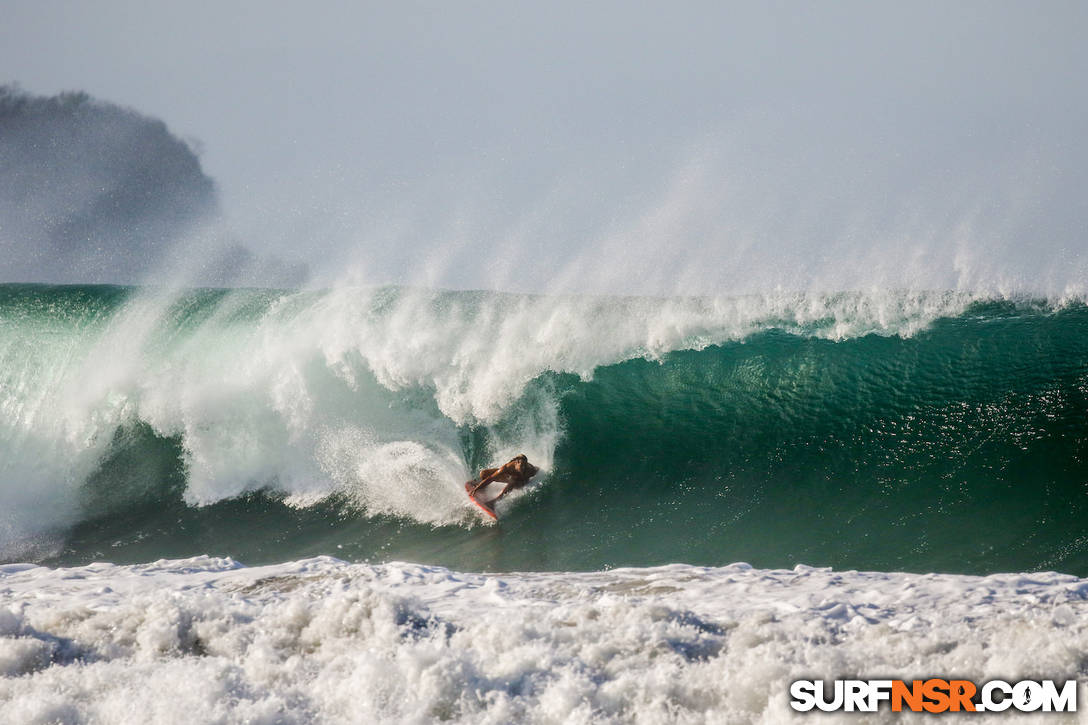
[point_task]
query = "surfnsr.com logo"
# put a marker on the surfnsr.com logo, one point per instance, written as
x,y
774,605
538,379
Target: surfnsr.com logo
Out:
x,y
934,695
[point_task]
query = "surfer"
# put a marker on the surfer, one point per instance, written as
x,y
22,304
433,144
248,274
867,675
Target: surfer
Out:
x,y
515,474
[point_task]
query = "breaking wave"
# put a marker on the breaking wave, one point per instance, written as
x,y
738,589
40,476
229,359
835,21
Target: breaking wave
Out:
x,y
875,430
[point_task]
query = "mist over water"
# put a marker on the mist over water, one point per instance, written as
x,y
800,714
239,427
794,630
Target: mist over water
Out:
x,y
740,210
742,206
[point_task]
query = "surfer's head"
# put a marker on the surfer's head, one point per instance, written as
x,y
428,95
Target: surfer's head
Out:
x,y
522,465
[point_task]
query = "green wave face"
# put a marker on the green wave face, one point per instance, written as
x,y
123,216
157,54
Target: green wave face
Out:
x,y
964,449
274,425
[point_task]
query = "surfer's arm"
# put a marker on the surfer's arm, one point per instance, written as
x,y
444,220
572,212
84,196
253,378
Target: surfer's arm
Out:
x,y
495,473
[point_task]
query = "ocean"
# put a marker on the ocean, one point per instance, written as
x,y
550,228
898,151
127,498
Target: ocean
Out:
x,y
253,500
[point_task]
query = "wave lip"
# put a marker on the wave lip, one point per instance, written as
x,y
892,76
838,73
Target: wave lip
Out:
x,y
323,640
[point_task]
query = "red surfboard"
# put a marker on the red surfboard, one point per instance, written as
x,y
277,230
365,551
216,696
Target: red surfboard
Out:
x,y
483,505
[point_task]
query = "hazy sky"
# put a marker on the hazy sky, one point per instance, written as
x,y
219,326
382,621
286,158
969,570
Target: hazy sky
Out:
x,y
641,146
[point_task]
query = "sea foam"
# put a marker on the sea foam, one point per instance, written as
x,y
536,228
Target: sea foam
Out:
x,y
321,640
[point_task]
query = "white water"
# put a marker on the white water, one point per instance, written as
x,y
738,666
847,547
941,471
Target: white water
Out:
x,y
206,641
